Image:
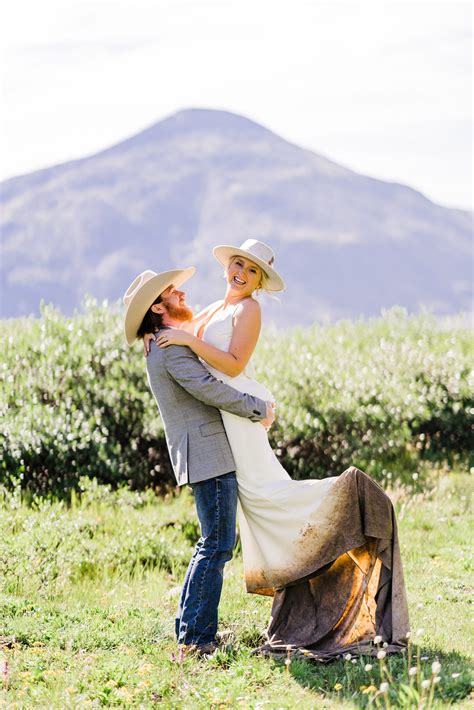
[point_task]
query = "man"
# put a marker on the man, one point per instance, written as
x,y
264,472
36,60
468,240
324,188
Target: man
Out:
x,y
188,399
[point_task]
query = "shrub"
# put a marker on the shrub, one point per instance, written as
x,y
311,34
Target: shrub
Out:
x,y
382,394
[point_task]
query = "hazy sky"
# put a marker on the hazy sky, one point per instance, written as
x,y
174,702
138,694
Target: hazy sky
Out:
x,y
383,87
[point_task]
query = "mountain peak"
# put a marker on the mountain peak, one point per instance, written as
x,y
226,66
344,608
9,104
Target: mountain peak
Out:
x,y
201,120
346,244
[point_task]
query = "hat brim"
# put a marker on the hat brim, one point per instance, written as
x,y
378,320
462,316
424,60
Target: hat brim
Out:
x,y
224,252
144,297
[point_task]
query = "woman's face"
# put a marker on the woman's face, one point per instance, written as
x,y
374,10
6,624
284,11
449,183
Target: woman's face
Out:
x,y
243,276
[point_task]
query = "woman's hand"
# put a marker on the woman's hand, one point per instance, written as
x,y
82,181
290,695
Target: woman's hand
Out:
x,y
175,337
147,338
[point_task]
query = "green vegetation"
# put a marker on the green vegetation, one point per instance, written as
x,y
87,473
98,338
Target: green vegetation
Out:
x,y
89,588
386,395
91,560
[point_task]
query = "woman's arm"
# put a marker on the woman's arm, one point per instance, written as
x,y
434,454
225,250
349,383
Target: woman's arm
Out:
x,y
247,323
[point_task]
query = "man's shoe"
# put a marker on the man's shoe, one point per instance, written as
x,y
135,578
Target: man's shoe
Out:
x,y
204,650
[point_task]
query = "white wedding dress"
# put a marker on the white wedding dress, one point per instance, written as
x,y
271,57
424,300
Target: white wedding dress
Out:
x,y
274,510
326,550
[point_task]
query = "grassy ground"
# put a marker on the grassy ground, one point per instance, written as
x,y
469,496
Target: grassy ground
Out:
x,y
88,595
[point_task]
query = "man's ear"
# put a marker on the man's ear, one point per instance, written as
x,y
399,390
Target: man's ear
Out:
x,y
158,308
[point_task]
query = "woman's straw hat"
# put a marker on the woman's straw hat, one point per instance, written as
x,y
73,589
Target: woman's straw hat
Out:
x,y
258,252
144,290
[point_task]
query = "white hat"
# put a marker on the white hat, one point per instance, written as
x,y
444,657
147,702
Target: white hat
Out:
x,y
144,290
257,252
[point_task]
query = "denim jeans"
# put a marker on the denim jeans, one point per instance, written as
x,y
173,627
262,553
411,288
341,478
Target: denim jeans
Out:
x,y
216,505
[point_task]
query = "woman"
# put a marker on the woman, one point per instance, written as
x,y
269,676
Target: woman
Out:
x,y
327,550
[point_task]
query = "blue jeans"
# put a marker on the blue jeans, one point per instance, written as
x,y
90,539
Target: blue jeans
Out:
x,y
216,505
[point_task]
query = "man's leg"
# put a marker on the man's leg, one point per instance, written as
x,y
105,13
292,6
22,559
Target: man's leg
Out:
x,y
184,591
216,504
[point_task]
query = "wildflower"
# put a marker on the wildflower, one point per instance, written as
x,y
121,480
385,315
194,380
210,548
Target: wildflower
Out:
x,y
338,686
354,660
347,657
425,658
455,675
287,661
381,654
124,693
368,667
408,634
425,684
377,639
420,632
5,671
385,644
436,679
413,671
435,667
419,605
383,687
369,689
145,669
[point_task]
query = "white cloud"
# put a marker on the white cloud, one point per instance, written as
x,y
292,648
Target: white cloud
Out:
x,y
382,87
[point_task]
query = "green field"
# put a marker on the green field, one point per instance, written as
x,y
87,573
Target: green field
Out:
x,y
90,570
89,589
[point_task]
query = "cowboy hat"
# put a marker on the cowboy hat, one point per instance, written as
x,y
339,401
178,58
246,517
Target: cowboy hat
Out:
x,y
255,251
144,290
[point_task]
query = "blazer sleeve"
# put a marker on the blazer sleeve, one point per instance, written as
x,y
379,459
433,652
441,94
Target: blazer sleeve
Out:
x,y
189,372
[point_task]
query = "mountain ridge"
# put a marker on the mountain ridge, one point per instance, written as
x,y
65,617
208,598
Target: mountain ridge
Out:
x,y
202,177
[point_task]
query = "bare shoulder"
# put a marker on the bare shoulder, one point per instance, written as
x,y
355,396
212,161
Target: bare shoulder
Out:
x,y
249,307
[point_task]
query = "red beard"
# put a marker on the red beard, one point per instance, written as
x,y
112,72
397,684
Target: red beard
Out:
x,y
181,313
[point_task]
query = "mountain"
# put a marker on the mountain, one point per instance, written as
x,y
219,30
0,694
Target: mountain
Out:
x,y
345,243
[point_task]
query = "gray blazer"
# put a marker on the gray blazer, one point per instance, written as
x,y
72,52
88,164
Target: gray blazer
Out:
x,y
189,399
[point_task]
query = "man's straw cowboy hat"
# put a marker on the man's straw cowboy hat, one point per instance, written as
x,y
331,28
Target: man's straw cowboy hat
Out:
x,y
144,290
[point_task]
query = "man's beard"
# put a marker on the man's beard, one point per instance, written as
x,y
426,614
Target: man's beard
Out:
x,y
181,313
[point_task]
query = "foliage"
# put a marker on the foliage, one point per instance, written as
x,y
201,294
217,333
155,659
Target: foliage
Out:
x,y
97,629
74,402
383,394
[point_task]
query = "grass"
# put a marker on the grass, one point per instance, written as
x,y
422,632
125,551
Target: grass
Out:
x,y
89,591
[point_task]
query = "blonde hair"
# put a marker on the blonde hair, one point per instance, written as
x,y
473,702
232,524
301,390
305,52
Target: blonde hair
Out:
x,y
263,282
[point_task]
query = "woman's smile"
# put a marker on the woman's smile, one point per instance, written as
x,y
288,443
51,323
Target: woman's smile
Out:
x,y
243,275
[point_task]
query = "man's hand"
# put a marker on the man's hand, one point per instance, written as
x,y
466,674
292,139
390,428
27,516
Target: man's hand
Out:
x,y
147,338
270,418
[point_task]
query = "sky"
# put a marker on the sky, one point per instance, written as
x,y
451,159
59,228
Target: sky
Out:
x,y
381,86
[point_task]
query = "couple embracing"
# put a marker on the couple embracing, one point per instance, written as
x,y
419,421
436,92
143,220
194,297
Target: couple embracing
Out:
x,y
326,550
